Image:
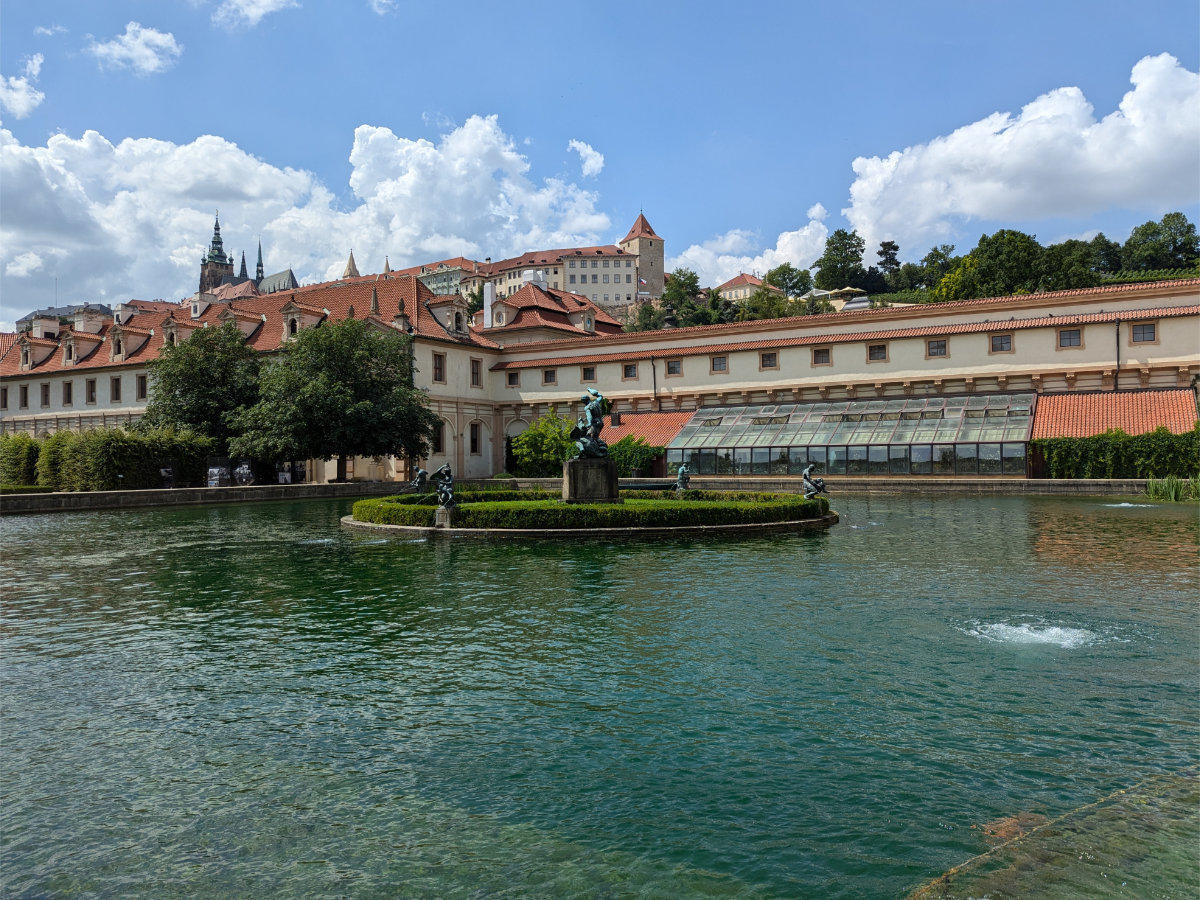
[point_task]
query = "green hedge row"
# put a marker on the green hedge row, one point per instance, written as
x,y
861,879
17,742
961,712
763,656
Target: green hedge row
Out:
x,y
1116,454
636,513
104,459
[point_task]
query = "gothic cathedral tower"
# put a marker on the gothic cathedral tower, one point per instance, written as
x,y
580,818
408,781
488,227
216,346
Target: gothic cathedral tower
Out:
x,y
648,246
216,265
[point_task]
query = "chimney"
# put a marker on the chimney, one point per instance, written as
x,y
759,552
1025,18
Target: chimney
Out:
x,y
89,320
44,327
489,297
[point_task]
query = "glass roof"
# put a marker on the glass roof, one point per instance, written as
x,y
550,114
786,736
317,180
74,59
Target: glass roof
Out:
x,y
915,420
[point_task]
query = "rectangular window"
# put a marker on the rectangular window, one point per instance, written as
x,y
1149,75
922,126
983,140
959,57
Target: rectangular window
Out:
x,y
477,373
439,438
24,398
513,379
1001,343
587,373
594,263
140,387
114,389
45,394
935,348
628,278
1070,337
595,278
571,280
604,280
89,390
475,438
571,264
4,398
549,376
1144,333
439,368
768,359
628,371
822,356
718,364
877,352
68,393
674,366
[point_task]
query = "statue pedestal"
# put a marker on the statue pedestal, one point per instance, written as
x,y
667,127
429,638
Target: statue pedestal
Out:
x,y
590,481
441,518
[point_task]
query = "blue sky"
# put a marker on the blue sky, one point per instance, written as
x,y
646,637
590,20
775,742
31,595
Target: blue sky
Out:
x,y
746,132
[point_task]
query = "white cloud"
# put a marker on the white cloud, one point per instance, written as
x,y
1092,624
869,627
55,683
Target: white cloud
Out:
x,y
144,50
116,221
591,161
721,258
17,94
44,31
382,7
251,12
1054,159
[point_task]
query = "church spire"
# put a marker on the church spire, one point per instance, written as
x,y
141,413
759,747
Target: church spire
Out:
x,y
216,250
351,268
258,270
387,266
242,274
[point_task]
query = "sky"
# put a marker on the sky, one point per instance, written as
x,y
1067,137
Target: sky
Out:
x,y
746,132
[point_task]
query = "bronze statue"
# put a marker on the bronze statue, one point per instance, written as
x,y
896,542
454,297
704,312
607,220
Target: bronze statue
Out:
x,y
682,477
813,486
586,432
418,483
443,479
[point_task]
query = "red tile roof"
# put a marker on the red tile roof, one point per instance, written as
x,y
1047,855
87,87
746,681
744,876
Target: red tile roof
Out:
x,y
656,428
739,280
641,229
1134,412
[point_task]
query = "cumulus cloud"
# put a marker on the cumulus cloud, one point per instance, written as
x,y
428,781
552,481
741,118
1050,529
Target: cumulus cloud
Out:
x,y
144,50
132,219
1053,159
250,12
591,161
17,94
724,256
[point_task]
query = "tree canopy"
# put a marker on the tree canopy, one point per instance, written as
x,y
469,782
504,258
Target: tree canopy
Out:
x,y
339,390
841,265
203,383
543,447
789,279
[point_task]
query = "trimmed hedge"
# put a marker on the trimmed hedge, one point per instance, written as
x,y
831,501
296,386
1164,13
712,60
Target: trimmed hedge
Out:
x,y
21,489
716,508
1116,454
18,459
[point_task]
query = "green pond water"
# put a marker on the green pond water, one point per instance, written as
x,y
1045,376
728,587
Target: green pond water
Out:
x,y
251,701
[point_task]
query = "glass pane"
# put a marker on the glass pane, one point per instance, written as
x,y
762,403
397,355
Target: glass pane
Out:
x,y
856,461
837,461
877,460
943,459
921,456
947,430
1014,459
741,460
760,461
965,459
898,459
989,459
817,456
724,462
925,430
779,461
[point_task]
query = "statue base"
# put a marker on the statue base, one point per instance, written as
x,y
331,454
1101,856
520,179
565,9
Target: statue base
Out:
x,y
590,481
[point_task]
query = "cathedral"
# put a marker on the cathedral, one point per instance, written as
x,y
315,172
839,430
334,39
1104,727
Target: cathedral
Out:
x,y
217,277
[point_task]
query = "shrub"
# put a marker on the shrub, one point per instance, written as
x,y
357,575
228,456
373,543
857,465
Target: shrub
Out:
x,y
50,461
18,459
94,461
632,452
541,450
1116,454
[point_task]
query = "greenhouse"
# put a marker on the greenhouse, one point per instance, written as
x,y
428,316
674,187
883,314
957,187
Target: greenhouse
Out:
x,y
982,434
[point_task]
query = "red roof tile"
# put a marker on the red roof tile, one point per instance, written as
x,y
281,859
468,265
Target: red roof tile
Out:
x,y
1134,412
656,428
641,229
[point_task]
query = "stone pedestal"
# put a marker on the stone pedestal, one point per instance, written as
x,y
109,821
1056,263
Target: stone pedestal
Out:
x,y
590,481
442,518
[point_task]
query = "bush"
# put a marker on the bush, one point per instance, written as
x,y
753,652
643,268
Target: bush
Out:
x,y
632,452
50,460
95,459
21,489
18,459
541,450
1115,454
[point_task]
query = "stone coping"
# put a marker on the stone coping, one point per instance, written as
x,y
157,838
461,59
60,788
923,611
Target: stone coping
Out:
x,y
555,533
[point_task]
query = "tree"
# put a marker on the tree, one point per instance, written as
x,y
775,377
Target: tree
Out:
x,y
1069,265
765,303
792,281
1007,262
475,301
936,263
338,390
682,286
202,383
1169,244
889,262
841,265
1106,254
543,447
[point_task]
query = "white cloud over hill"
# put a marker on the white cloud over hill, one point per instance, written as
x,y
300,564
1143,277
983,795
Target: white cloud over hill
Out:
x,y
1054,159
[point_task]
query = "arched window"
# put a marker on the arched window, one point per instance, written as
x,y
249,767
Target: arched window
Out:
x,y
293,326
458,322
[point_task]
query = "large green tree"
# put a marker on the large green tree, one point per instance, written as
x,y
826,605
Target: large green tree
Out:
x,y
339,390
841,265
543,447
789,279
1168,244
203,383
1007,262
1071,264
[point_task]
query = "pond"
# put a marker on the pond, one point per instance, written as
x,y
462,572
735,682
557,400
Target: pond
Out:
x,y
253,701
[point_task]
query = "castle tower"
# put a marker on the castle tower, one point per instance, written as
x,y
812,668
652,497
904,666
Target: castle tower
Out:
x,y
648,246
351,269
215,265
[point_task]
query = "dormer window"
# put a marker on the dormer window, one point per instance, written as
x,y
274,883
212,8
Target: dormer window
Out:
x,y
69,352
171,339
118,346
24,357
458,321
293,326
499,318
